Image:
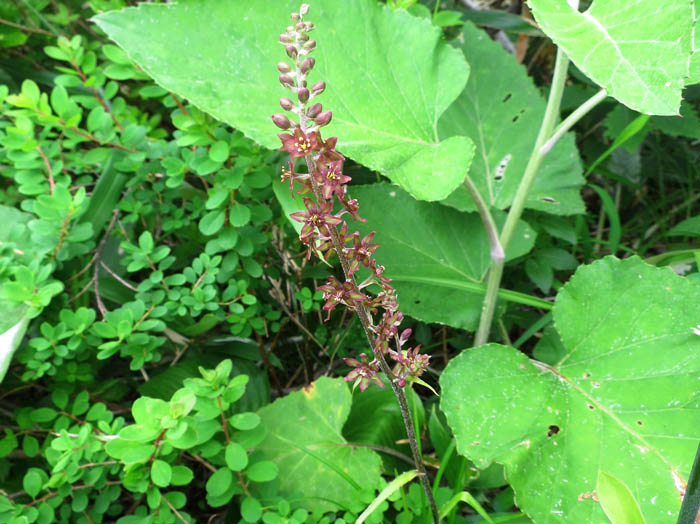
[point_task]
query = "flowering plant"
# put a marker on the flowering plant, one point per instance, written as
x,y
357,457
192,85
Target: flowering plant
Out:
x,y
326,232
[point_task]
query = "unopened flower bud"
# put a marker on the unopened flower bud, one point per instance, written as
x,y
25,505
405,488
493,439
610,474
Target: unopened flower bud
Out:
x,y
304,9
281,121
310,45
285,38
303,95
295,17
323,118
290,29
291,51
286,80
308,26
314,110
286,104
318,88
303,37
283,67
300,26
307,65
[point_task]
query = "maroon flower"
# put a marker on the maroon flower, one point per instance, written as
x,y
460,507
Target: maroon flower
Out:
x,y
327,152
336,292
331,178
316,218
410,363
299,144
363,372
361,252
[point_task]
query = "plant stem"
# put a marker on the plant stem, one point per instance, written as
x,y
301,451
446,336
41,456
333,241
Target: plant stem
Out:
x,y
571,120
516,209
365,319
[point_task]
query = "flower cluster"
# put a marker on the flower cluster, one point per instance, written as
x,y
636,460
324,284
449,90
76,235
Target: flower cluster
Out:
x,y
324,231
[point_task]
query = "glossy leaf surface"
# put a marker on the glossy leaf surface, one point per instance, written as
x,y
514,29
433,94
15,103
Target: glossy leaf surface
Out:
x,y
389,77
501,110
621,396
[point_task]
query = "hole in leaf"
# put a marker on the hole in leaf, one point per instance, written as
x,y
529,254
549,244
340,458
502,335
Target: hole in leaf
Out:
x,y
549,200
507,97
640,423
501,168
553,430
591,407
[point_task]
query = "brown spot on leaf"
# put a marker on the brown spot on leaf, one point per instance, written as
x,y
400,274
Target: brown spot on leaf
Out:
x,y
553,430
588,495
310,390
679,483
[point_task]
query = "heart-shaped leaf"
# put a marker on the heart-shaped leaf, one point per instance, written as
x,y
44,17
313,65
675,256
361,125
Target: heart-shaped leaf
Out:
x,y
304,439
500,109
621,397
638,50
389,77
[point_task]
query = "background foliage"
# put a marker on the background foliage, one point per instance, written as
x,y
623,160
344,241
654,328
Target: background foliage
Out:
x,y
162,349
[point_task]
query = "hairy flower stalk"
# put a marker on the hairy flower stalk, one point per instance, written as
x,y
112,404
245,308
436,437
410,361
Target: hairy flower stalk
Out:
x,y
325,232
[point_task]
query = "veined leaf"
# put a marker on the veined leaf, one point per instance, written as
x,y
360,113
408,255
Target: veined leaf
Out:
x,y
638,50
621,397
389,77
304,439
500,109
435,255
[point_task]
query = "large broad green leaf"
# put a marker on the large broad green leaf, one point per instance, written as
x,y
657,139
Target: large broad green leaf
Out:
x,y
13,324
694,64
500,109
622,397
375,419
304,439
436,256
389,76
637,49
14,244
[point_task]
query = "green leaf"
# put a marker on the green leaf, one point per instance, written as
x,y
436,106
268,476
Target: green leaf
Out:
x,y
500,109
212,222
617,500
637,50
106,195
264,471
251,510
236,456
219,151
161,473
375,419
245,421
622,396
389,75
181,475
239,215
32,482
304,439
689,227
11,338
219,482
435,255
